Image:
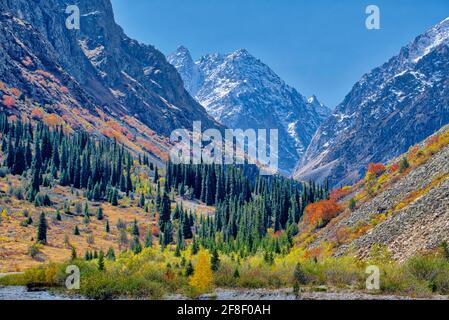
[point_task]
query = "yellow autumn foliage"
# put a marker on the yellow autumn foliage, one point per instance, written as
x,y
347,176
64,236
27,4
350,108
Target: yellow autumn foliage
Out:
x,y
202,279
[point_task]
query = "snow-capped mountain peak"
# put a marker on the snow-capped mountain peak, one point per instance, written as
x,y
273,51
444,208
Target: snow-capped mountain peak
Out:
x,y
240,91
425,43
391,108
187,68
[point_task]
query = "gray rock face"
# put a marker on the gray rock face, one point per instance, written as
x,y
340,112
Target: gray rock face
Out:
x,y
21,41
388,110
117,73
242,92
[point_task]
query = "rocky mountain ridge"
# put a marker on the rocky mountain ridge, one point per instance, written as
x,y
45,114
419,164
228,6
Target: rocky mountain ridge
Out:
x,y
104,73
391,108
242,92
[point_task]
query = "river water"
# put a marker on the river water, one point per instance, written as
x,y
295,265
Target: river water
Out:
x,y
22,293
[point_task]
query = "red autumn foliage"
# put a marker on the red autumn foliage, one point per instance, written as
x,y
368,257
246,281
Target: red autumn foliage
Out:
x,y
413,152
9,101
155,230
394,167
338,194
53,120
152,148
64,90
27,61
16,92
277,234
376,168
313,253
37,114
320,213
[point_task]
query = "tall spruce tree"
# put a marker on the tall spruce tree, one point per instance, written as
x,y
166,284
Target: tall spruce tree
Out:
x,y
42,229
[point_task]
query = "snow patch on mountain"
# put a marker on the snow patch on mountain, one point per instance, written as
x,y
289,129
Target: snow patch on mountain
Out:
x,y
389,109
241,91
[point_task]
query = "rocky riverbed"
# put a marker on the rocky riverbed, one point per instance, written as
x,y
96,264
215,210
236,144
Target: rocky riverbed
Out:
x,y
287,294
22,293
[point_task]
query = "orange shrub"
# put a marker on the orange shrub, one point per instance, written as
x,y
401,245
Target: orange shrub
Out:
x,y
277,234
152,148
320,213
413,151
37,114
64,90
16,92
117,127
27,61
9,101
394,167
313,253
46,75
376,168
53,120
155,230
338,194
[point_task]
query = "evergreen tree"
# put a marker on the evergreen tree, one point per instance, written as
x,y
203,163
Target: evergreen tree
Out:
x,y
215,260
299,278
114,197
42,229
352,204
73,254
179,242
101,261
142,200
167,234
156,175
149,239
189,269
110,255
195,247
86,209
135,229
99,213
58,215
136,247
403,165
165,212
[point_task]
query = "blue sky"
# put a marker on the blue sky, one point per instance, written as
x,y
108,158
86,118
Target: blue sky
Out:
x,y
320,47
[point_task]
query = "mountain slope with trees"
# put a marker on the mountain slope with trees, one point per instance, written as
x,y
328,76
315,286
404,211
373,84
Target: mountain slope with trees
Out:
x,y
95,79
